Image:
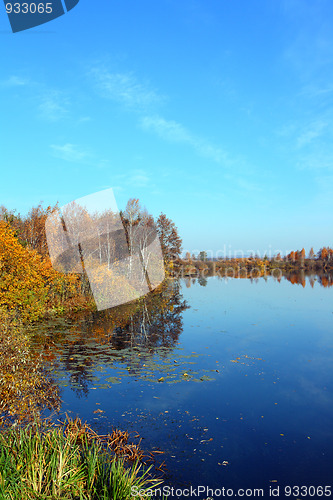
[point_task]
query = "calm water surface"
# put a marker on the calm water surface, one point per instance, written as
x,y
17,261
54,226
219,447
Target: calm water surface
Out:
x,y
235,385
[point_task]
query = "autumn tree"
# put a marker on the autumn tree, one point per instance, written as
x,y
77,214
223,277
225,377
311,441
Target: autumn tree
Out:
x,y
311,253
105,224
203,255
145,235
171,242
13,219
300,255
140,230
291,256
131,217
323,253
188,257
28,283
32,228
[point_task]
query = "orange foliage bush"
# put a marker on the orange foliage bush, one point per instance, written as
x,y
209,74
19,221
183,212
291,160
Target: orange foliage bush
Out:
x,y
28,283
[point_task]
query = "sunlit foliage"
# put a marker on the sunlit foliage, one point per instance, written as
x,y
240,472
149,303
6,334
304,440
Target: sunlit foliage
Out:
x,y
28,283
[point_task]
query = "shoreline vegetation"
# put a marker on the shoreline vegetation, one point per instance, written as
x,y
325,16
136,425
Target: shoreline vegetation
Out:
x,y
31,289
293,264
51,463
38,460
70,461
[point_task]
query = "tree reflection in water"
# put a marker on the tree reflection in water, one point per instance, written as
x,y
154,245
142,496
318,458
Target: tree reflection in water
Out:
x,y
134,339
127,335
301,278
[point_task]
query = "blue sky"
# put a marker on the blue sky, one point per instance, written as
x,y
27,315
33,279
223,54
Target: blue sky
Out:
x,y
218,113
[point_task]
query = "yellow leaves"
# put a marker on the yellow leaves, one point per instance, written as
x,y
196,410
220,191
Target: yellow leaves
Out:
x,y
28,282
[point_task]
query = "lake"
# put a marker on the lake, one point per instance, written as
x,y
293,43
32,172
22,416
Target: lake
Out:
x,y
231,379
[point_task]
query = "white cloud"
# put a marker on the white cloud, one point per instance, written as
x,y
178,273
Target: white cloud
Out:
x,y
166,129
308,141
136,177
309,52
313,131
53,106
69,152
84,119
14,81
317,90
140,180
125,89
172,131
316,161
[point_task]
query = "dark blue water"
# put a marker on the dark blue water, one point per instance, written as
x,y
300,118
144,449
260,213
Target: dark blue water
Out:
x,y
236,389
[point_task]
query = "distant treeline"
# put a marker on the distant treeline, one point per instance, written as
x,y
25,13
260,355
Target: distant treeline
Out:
x,y
295,260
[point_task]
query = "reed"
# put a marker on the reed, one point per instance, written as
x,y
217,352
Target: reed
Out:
x,y
70,462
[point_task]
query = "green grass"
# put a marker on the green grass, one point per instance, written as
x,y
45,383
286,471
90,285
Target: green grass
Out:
x,y
55,464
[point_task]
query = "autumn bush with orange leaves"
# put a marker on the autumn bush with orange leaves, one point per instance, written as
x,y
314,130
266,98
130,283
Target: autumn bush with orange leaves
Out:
x,y
29,286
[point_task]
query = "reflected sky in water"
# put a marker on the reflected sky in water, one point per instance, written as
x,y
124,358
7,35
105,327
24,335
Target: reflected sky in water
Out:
x,y
232,379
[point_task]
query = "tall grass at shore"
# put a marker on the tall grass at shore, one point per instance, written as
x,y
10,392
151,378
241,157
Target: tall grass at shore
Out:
x,y
67,463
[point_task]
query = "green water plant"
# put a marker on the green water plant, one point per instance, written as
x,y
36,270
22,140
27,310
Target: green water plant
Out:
x,y
66,463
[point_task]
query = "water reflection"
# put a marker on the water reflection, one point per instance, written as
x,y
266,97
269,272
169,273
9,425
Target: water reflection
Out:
x,y
261,354
133,339
139,339
299,277
302,277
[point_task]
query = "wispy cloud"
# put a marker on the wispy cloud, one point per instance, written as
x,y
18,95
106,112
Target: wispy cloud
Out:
x,y
316,161
14,81
69,152
172,131
316,90
84,119
53,106
308,139
309,147
166,129
245,185
312,132
135,177
309,51
139,178
140,98
125,88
